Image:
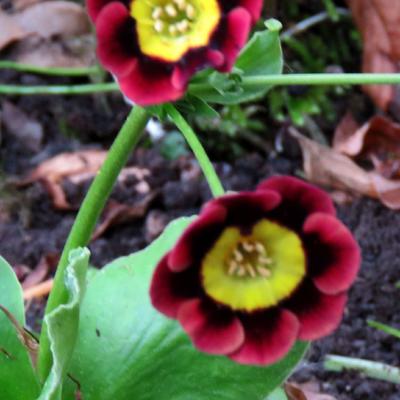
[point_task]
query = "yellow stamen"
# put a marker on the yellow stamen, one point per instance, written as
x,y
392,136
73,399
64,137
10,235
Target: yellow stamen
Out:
x,y
181,4
182,26
264,272
171,10
158,26
190,11
157,13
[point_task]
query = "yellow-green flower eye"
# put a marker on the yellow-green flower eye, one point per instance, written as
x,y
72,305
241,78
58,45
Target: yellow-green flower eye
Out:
x,y
255,271
167,29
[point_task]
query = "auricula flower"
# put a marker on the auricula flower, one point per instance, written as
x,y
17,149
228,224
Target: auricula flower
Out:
x,y
153,47
258,270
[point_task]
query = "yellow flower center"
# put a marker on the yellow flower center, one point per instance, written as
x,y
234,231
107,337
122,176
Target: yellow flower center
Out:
x,y
255,271
167,29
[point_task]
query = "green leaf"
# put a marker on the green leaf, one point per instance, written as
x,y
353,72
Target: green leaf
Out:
x,y
278,394
261,56
62,324
17,377
127,350
385,328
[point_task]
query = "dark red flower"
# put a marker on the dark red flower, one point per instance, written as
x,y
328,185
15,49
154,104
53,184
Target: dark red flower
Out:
x,y
153,47
257,271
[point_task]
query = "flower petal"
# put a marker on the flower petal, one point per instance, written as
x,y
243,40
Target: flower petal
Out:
x,y
94,6
113,26
268,337
169,290
299,199
197,237
254,7
246,208
333,255
212,330
319,314
236,31
150,83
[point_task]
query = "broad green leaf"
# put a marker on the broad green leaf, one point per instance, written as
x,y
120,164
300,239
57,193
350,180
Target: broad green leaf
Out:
x,y
278,394
385,328
261,56
62,324
17,377
127,350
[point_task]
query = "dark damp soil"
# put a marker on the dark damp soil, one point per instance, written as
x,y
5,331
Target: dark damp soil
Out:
x,y
30,226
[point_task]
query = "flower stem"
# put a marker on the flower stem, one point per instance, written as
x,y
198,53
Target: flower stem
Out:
x,y
88,215
199,88
67,90
55,71
372,369
198,150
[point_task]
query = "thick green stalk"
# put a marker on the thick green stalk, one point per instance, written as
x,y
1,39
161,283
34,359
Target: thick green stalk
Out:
x,y
55,71
198,150
88,215
372,369
199,88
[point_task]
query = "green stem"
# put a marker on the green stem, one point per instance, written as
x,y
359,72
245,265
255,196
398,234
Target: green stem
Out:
x,y
67,90
199,88
307,79
372,369
54,71
198,150
88,215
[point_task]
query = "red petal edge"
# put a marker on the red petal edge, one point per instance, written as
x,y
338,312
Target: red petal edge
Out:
x,y
254,7
319,314
112,25
267,339
150,84
338,255
181,255
168,290
238,26
308,196
211,330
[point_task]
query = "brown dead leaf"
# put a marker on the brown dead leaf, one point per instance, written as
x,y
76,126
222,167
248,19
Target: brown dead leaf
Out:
x,y
51,29
378,141
379,24
65,165
307,391
68,52
53,18
118,213
10,31
42,269
327,167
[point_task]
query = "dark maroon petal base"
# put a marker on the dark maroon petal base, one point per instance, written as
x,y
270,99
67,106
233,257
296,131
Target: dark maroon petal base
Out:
x,y
254,7
194,241
319,314
212,330
113,25
299,199
268,337
169,290
332,253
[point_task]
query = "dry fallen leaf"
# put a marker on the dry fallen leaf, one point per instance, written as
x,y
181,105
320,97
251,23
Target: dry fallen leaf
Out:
x,y
118,213
378,141
42,269
48,34
327,167
307,391
65,165
379,23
